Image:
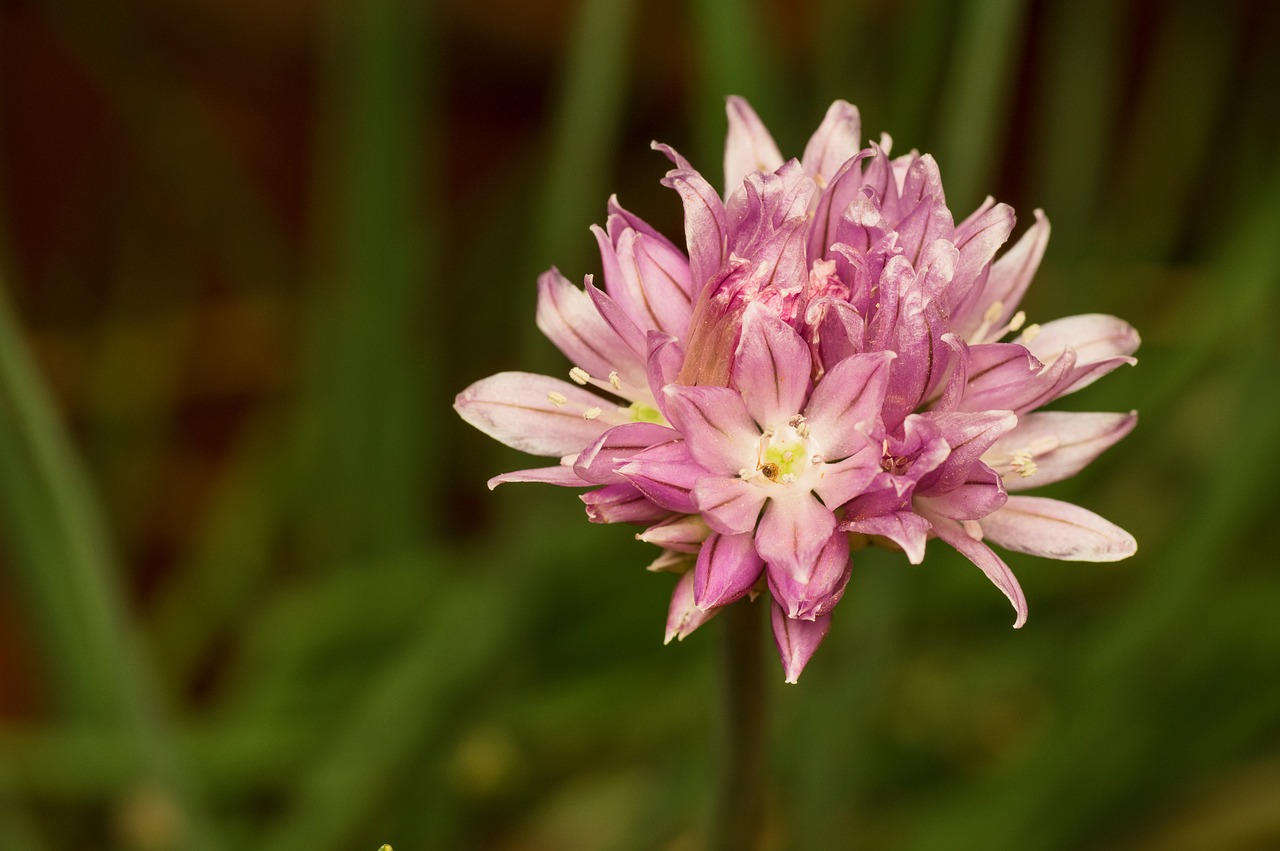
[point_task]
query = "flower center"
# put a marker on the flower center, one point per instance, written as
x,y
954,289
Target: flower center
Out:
x,y
784,454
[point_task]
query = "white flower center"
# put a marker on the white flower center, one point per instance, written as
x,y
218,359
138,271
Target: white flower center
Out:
x,y
785,455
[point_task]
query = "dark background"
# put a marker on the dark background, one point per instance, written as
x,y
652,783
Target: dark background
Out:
x,y
254,594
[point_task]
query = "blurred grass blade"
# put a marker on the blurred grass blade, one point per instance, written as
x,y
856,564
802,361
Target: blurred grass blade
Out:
x,y
67,568
984,67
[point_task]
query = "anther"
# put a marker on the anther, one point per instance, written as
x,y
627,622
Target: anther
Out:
x,y
591,413
557,399
579,375
993,312
803,429
614,381
787,478
744,473
1030,333
1016,322
795,421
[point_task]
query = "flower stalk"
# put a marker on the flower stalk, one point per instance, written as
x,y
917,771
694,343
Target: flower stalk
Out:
x,y
741,769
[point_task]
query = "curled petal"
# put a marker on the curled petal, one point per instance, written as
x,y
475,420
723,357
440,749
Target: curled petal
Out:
x,y
816,594
599,461
666,474
987,561
621,504
905,528
969,435
705,227
683,617
730,505
1055,529
727,568
535,413
797,640
981,493
748,146
683,533
771,367
836,141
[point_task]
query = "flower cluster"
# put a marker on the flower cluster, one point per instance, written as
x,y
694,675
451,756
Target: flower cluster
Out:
x,y
833,362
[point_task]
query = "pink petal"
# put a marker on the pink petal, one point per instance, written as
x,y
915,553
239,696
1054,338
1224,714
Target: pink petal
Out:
x,y
771,367
969,435
836,329
621,504
727,568
1054,529
797,640
599,461
559,475
816,593
515,408
1094,336
844,187
704,225
730,505
836,141
793,531
666,474
905,528
683,617
1061,444
715,423
1007,282
844,480
684,533
981,493
978,238
748,146
846,403
987,561
569,320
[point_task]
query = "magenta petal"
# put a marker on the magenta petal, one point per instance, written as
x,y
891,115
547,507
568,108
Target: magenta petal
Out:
x,y
666,474
905,528
837,330
748,146
981,493
987,561
598,463
705,227
621,504
815,594
727,568
797,640
715,423
730,505
535,413
683,617
792,532
1054,529
561,475
846,403
969,435
836,141
771,367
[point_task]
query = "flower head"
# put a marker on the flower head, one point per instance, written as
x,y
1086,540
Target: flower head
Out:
x,y
830,360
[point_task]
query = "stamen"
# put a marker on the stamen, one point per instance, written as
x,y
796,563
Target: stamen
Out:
x,y
614,381
744,473
1016,322
803,429
1030,333
1022,463
816,459
557,399
787,478
579,375
591,413
993,312
795,421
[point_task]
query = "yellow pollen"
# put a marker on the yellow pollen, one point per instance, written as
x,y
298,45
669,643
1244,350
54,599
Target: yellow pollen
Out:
x,y
614,381
579,375
1022,463
557,399
1016,322
591,413
1030,333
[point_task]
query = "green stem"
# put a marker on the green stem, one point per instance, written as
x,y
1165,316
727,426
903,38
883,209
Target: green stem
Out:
x,y
739,807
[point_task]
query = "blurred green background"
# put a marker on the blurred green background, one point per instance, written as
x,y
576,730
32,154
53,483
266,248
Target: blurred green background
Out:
x,y
254,594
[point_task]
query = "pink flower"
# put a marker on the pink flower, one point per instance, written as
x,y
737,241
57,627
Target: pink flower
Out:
x,y
826,362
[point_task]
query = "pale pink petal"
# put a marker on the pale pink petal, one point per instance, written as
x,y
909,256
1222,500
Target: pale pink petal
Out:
x,y
1054,529
684,533
987,561
559,475
1060,443
846,404
748,146
835,142
981,493
816,593
771,367
727,568
730,505
715,423
1094,336
792,532
631,335
683,617
568,318
843,480
664,275
905,528
704,225
844,188
621,504
978,238
797,640
536,414
1007,282
969,435
599,461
